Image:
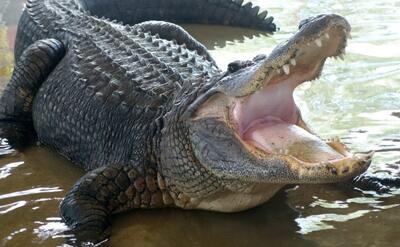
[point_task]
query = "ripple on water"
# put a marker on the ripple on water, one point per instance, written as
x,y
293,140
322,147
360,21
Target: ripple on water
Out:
x,y
4,209
5,148
6,170
315,223
51,228
346,211
13,234
38,190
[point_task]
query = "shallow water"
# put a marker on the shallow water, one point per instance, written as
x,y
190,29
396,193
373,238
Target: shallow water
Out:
x,y
357,99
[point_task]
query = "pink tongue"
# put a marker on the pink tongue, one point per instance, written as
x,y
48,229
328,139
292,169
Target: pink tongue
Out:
x,y
275,136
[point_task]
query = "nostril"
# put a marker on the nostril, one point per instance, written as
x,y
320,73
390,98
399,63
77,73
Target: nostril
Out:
x,y
309,19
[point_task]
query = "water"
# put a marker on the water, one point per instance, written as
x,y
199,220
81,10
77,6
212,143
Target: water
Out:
x,y
357,99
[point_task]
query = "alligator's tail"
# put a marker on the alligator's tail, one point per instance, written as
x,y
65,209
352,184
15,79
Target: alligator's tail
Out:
x,y
41,18
222,12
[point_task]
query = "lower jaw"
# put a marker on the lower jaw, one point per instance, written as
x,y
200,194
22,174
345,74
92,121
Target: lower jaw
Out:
x,y
230,201
279,137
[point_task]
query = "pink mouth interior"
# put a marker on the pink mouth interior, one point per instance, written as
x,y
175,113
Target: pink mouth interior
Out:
x,y
268,120
271,105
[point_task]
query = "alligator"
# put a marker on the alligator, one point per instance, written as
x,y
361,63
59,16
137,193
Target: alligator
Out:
x,y
141,106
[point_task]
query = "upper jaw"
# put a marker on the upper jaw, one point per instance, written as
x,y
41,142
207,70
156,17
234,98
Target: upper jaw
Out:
x,y
268,93
300,53
306,51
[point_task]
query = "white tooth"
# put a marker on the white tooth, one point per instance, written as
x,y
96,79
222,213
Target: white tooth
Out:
x,y
341,56
293,61
286,69
318,42
327,35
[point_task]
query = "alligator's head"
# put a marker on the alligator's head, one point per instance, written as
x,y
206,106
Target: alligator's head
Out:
x,y
247,133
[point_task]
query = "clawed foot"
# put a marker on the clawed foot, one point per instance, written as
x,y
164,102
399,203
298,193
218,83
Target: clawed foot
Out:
x,y
86,217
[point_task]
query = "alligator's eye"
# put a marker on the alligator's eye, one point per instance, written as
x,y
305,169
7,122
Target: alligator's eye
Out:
x,y
234,66
238,65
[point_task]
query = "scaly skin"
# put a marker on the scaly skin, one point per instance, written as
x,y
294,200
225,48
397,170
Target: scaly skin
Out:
x,y
146,111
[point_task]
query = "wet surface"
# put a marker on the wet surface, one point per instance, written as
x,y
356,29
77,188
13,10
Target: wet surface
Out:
x,y
357,99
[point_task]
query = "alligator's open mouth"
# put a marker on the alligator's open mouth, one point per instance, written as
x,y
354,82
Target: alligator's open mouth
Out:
x,y
269,121
254,104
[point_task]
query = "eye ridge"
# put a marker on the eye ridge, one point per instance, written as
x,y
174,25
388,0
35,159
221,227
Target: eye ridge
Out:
x,y
238,65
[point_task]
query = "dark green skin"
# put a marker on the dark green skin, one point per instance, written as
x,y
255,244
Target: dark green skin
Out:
x,y
107,97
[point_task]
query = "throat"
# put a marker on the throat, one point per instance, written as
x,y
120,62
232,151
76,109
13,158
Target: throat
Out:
x,y
267,120
272,104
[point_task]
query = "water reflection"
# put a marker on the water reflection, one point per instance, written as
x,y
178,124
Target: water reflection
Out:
x,y
11,235
30,192
4,209
344,217
314,223
51,228
6,170
15,136
272,223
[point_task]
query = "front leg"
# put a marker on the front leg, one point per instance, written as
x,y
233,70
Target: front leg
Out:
x,y
108,190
